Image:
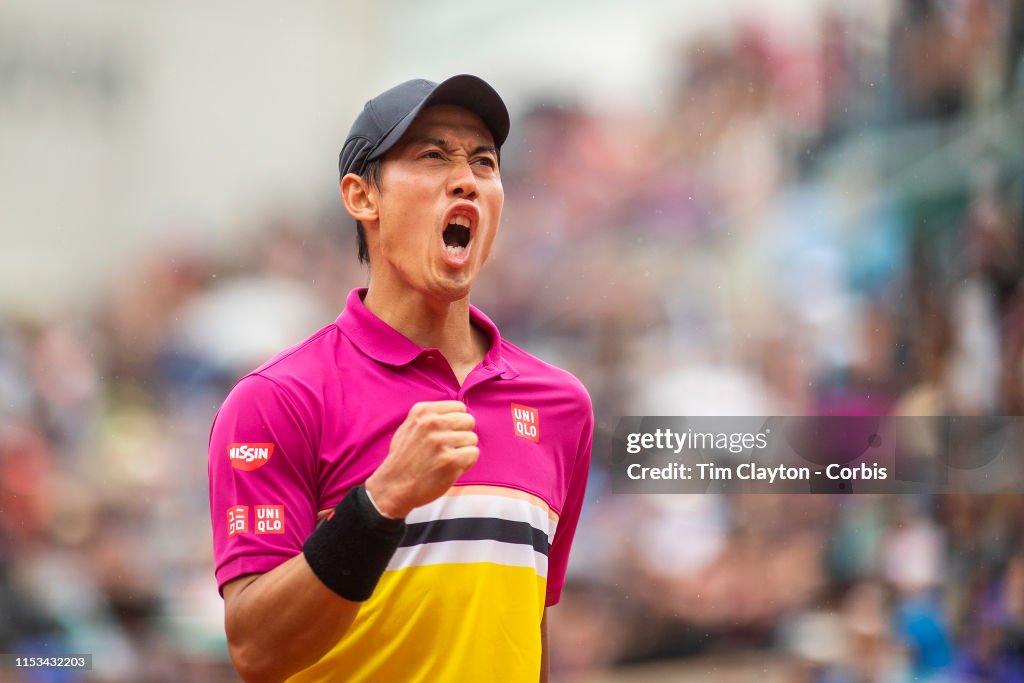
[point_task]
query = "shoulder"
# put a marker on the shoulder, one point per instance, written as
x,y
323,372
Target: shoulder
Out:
x,y
294,378
545,375
306,359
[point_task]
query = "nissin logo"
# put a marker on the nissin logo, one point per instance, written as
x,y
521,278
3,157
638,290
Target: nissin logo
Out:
x,y
249,456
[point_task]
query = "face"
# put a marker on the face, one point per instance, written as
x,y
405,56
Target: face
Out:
x,y
438,205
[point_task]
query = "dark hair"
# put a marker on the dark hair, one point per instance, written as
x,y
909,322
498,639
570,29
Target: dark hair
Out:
x,y
372,176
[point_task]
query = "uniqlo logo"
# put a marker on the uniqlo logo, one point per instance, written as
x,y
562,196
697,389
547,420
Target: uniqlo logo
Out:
x,y
526,422
238,520
269,519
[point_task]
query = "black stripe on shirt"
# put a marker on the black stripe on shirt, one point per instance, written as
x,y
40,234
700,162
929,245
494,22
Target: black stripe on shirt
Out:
x,y
475,529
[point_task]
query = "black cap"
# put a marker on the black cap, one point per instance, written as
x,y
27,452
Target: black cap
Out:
x,y
387,116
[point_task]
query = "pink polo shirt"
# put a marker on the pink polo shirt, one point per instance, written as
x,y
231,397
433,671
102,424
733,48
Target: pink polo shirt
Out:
x,y
479,564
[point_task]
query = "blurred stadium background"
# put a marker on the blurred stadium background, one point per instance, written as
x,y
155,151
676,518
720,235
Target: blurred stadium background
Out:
x,y
802,207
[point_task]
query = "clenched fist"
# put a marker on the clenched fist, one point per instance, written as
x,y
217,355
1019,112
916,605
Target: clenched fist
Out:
x,y
430,450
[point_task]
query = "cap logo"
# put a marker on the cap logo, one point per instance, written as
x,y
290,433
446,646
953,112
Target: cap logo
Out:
x,y
526,422
249,456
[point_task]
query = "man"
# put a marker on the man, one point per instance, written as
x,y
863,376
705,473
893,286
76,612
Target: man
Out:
x,y
394,498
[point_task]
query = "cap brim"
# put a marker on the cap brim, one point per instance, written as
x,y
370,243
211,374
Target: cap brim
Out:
x,y
464,90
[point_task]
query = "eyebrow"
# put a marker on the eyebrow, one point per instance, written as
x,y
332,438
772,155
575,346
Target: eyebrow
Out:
x,y
447,146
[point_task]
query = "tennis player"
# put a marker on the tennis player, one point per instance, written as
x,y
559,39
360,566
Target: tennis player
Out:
x,y
394,498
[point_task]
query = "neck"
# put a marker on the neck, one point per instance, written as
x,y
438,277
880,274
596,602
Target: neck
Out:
x,y
431,324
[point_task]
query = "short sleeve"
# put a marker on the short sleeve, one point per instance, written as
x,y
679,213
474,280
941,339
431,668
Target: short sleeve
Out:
x,y
558,556
262,477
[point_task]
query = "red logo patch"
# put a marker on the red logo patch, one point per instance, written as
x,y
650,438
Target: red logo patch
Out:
x,y
526,422
269,519
249,456
238,520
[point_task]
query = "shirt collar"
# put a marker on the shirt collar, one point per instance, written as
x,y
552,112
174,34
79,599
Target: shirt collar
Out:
x,y
385,344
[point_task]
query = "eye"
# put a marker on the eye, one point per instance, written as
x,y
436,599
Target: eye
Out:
x,y
433,154
486,161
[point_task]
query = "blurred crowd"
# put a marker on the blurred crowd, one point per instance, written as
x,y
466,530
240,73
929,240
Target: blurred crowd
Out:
x,y
809,224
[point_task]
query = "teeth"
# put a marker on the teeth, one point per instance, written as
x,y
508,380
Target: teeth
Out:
x,y
460,220
455,250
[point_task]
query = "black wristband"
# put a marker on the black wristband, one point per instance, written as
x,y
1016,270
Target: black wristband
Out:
x,y
351,549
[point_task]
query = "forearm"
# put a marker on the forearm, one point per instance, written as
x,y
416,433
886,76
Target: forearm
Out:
x,y
283,621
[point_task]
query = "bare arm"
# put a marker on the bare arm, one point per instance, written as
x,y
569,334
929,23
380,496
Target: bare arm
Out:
x,y
283,621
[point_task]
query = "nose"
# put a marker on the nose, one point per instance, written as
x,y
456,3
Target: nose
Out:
x,y
462,182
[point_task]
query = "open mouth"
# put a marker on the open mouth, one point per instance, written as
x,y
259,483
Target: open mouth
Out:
x,y
457,235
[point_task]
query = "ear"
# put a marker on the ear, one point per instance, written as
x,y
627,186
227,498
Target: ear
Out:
x,y
360,201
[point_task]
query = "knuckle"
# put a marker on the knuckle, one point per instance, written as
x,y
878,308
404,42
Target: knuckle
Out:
x,y
447,460
421,409
423,422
